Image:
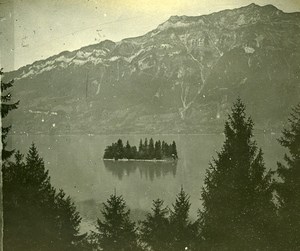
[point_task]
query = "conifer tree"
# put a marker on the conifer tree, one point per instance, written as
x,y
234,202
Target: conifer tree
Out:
x,y
155,232
68,227
141,150
134,152
174,150
238,211
36,217
119,150
289,187
127,151
116,232
6,107
183,233
151,149
157,150
108,153
146,149
164,149
114,151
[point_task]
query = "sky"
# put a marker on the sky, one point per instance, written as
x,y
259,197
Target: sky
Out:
x,y
32,30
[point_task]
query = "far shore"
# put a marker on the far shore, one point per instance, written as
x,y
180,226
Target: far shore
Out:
x,y
143,160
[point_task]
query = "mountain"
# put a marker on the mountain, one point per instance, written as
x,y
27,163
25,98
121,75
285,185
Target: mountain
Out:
x,y
181,77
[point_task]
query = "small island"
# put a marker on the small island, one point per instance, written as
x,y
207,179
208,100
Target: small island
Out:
x,y
147,151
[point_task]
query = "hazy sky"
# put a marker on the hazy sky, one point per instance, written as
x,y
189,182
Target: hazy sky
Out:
x,y
31,30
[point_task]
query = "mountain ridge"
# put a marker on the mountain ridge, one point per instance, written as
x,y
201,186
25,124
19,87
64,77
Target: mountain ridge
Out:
x,y
171,17
183,74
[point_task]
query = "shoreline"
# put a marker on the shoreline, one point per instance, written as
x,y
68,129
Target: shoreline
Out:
x,y
141,160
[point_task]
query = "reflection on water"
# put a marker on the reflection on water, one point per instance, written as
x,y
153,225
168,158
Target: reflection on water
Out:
x,y
146,169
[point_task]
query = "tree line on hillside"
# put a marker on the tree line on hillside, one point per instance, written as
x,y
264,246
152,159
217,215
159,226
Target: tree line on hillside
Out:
x,y
146,151
244,206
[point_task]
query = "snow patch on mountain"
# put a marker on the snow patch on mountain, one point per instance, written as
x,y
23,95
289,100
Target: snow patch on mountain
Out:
x,y
154,33
249,50
144,64
166,46
129,59
80,58
178,24
173,53
47,68
63,59
27,74
114,58
83,54
259,40
241,20
79,62
43,112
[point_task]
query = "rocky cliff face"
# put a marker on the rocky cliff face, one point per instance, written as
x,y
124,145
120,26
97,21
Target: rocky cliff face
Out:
x,y
181,77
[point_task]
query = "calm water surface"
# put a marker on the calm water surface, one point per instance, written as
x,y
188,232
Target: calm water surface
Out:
x,y
75,164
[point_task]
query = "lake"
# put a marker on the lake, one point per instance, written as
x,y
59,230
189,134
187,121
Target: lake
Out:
x,y
75,164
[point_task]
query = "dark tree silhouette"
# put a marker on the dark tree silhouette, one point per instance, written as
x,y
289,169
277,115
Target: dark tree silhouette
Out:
x,y
36,217
174,150
68,224
157,150
182,230
145,149
119,150
164,148
134,152
6,106
108,152
141,152
155,231
153,150
116,232
289,188
237,197
128,151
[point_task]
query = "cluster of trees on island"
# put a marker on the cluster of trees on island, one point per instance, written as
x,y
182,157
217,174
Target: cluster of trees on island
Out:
x,y
244,206
146,151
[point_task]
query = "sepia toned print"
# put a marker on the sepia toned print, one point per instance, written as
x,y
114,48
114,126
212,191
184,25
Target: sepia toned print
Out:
x,y
150,125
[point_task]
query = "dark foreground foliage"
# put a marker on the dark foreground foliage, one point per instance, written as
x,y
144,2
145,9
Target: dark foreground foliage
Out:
x,y
288,188
163,229
155,229
36,216
238,211
7,105
116,232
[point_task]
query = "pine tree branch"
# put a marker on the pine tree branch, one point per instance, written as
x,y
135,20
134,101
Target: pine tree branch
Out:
x,y
6,108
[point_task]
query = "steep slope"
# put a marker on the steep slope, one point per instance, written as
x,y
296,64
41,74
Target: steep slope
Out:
x,y
180,77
